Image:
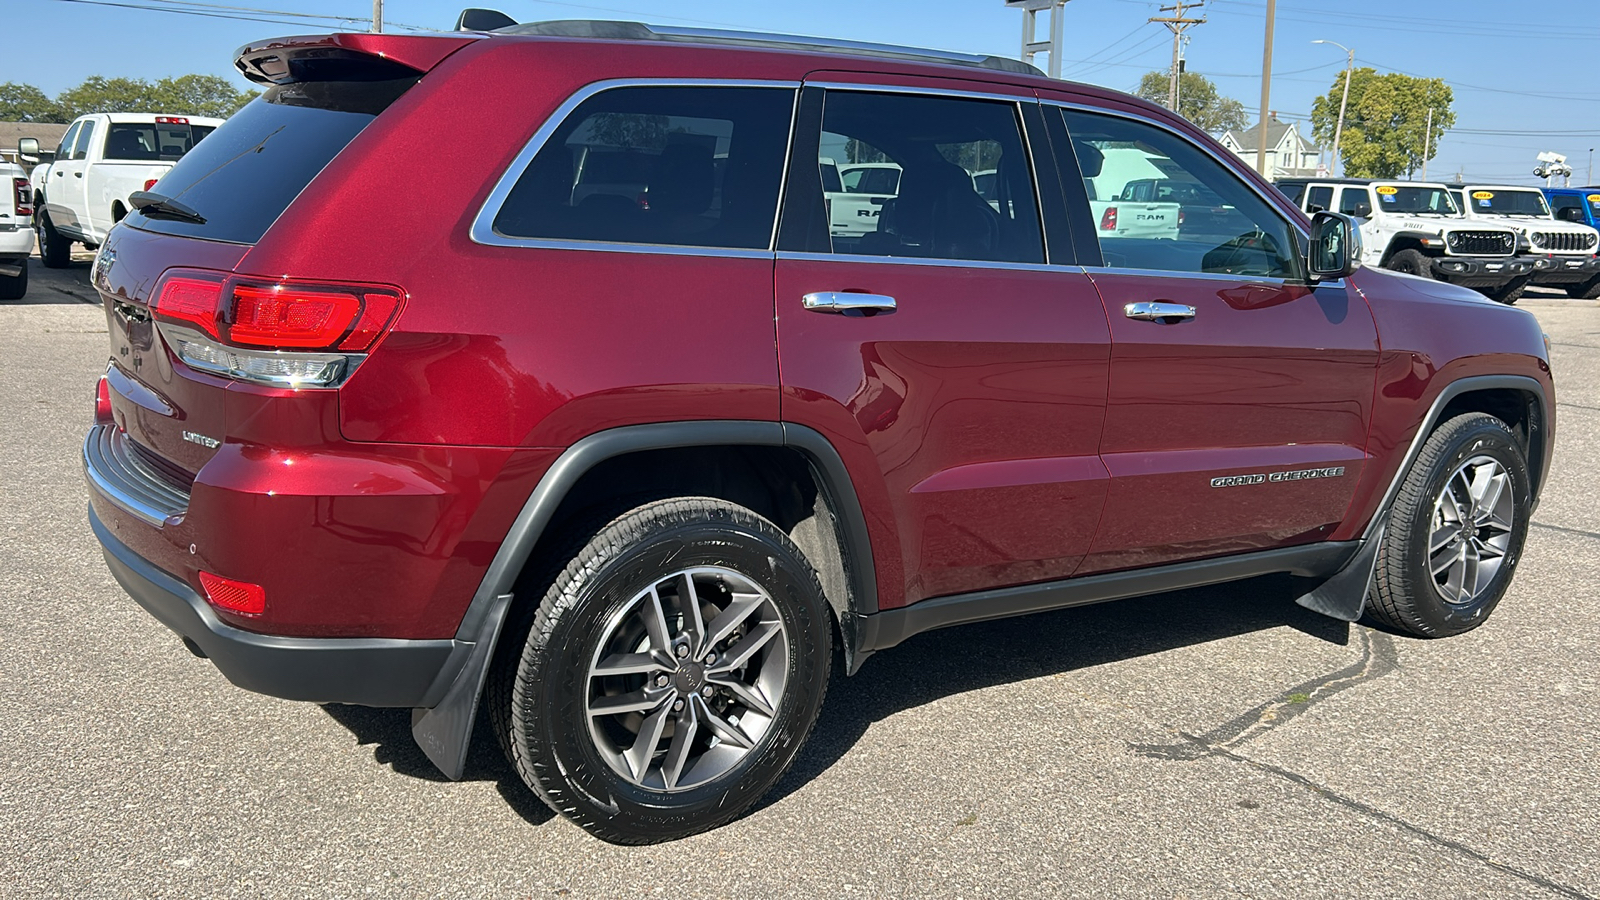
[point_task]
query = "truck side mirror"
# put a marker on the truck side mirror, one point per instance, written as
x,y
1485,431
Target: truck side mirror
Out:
x,y
1335,247
28,150
1570,214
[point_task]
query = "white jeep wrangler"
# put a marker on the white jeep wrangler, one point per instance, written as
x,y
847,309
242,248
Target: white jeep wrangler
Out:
x,y
1562,253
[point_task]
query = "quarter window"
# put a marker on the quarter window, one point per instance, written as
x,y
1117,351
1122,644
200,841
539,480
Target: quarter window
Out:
x,y
930,177
687,166
1159,202
1319,198
1355,201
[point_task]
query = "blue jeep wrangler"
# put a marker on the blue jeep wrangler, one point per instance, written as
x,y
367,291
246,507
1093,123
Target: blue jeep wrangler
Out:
x,y
1581,205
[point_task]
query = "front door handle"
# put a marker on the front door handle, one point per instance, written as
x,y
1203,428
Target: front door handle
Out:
x,y
1158,311
848,304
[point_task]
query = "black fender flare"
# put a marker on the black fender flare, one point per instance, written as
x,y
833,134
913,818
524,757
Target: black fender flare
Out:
x,y
1406,239
443,726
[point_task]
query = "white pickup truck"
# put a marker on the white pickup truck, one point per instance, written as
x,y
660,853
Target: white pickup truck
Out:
x,y
16,231
103,159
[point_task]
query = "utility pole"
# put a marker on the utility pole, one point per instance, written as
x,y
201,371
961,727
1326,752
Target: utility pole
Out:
x,y
1177,23
1349,70
1266,89
1030,28
1590,179
1427,144
377,16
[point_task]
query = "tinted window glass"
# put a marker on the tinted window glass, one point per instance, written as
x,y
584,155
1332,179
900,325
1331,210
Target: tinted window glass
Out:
x,y
695,166
64,149
1319,198
1192,215
830,178
1355,201
1294,190
246,174
149,141
80,149
935,147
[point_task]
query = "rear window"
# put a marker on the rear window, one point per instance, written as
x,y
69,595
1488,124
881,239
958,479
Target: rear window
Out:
x,y
151,141
243,176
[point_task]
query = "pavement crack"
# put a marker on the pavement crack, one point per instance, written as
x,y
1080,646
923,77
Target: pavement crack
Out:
x,y
1378,658
1578,406
1372,812
1564,530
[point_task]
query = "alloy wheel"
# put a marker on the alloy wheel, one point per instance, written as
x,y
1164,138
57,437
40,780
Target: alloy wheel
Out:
x,y
1473,518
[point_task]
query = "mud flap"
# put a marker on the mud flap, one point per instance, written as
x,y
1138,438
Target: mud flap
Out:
x,y
1344,596
444,732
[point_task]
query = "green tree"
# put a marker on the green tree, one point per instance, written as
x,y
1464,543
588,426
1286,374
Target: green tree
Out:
x,y
200,95
1198,100
1385,122
26,103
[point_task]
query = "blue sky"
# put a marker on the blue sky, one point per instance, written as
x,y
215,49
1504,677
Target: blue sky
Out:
x,y
1521,85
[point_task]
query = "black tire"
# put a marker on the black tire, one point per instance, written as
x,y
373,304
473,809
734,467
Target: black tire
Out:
x,y
13,287
581,622
55,251
1510,292
1410,262
1407,595
1586,290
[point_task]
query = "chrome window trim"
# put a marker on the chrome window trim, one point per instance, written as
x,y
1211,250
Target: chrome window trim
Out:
x,y
1213,276
1280,203
483,232
809,256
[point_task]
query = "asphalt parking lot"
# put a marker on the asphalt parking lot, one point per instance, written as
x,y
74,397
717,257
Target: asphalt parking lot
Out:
x,y
1212,743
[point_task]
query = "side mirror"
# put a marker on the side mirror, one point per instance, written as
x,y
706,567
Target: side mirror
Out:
x,y
1335,247
1570,214
28,150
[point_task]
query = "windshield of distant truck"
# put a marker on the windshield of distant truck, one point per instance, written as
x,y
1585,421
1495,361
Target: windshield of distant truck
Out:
x,y
1501,202
1400,198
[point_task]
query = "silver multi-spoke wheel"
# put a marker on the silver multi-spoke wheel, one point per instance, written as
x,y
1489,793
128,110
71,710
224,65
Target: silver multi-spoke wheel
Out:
x,y
1473,519
687,678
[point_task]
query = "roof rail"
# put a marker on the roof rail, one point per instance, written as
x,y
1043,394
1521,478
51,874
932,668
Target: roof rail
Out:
x,y
639,31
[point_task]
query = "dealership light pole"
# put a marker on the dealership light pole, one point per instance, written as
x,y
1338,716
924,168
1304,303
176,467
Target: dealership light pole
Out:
x,y
1030,22
1266,89
1349,70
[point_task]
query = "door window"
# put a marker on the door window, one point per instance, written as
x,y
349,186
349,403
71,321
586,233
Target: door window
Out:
x,y
688,166
1319,198
1355,201
64,150
80,150
953,173
1168,205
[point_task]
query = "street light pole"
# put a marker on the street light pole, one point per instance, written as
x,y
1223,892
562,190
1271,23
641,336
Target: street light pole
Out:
x,y
1349,70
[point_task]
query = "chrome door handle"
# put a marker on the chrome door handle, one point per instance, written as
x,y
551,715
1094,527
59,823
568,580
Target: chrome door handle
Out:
x,y
847,303
1158,311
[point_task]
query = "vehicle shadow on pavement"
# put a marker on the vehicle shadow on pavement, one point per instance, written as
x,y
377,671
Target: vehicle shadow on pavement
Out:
x,y
58,287
389,731
956,660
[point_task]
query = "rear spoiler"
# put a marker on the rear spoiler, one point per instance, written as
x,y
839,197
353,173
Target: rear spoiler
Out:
x,y
344,57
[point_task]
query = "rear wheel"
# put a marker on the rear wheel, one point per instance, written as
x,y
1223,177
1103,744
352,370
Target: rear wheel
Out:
x,y
1455,533
671,673
1587,290
1411,262
55,251
13,287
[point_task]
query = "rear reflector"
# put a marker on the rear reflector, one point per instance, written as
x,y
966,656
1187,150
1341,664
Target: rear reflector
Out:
x,y
102,402
239,597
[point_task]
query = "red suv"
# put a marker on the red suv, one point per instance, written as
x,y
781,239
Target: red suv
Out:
x,y
520,370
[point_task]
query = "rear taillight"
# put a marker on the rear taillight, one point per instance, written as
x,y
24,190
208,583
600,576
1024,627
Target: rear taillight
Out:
x,y
1180,216
23,196
267,331
150,183
1108,219
238,597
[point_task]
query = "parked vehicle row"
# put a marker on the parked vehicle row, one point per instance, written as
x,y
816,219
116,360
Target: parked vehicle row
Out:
x,y
1494,239
622,462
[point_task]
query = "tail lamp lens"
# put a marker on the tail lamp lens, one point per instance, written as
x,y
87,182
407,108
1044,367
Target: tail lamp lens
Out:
x,y
285,317
238,597
190,299
24,197
282,315
1108,219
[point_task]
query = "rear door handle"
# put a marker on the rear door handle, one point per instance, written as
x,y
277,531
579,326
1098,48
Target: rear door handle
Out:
x,y
1158,311
847,303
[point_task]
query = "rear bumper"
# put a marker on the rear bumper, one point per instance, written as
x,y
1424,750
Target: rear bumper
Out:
x,y
365,671
1564,269
1480,271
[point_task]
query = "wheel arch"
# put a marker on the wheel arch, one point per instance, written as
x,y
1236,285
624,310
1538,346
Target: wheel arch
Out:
x,y
1406,240
623,461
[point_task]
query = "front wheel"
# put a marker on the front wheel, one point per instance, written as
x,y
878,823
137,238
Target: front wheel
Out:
x,y
55,251
671,673
1454,534
1410,262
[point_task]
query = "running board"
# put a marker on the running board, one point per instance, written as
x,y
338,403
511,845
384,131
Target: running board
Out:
x,y
891,627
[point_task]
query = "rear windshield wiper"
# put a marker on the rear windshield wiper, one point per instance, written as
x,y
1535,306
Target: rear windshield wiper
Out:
x,y
157,206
